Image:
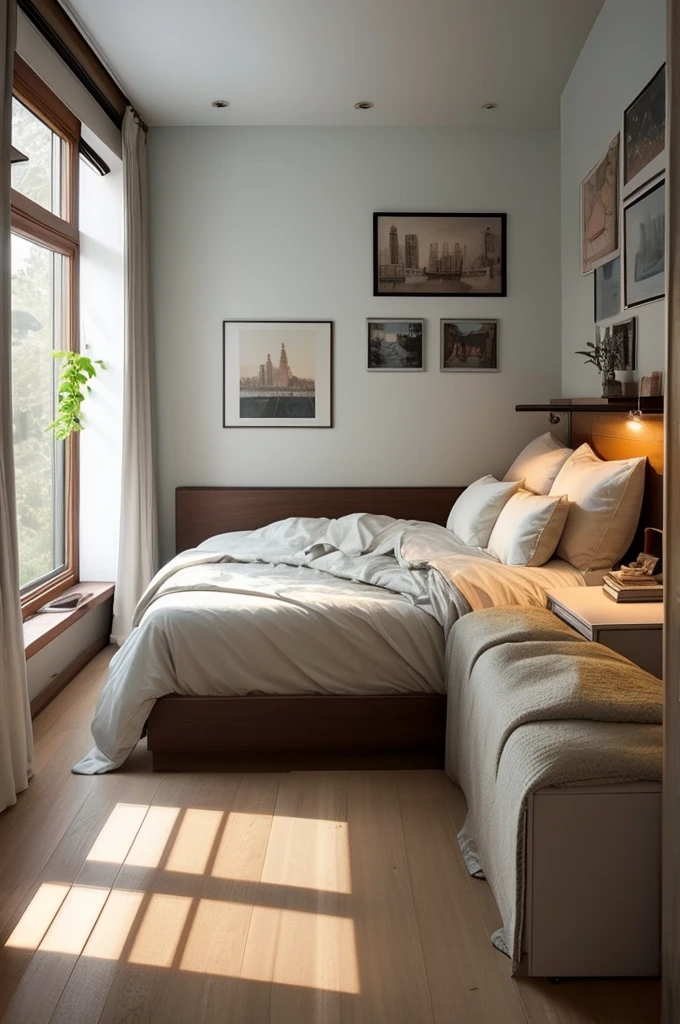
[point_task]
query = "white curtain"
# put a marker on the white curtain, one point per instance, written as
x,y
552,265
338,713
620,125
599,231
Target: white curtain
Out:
x,y
16,737
138,546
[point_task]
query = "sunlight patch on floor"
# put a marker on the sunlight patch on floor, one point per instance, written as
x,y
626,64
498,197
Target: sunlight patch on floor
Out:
x,y
110,933
74,921
151,840
113,843
309,853
160,930
38,916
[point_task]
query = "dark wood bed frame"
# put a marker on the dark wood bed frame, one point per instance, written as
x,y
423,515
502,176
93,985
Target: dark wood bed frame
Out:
x,y
283,733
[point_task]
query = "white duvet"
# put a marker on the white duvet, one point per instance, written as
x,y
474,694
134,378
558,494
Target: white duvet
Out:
x,y
358,605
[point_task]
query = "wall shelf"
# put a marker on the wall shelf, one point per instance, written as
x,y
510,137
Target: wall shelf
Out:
x,y
650,406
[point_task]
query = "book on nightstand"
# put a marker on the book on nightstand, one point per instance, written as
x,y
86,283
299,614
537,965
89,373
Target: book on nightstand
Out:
x,y
622,588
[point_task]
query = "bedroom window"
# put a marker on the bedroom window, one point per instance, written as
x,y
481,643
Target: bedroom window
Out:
x,y
45,244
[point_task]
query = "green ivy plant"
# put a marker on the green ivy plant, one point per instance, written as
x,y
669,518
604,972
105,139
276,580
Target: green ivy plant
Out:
x,y
76,372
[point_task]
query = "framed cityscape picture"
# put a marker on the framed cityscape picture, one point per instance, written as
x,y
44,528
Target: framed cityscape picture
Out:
x,y
277,373
441,254
395,345
600,210
644,135
608,290
644,226
469,345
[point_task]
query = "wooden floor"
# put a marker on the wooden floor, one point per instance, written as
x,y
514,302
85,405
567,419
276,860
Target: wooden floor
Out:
x,y
248,899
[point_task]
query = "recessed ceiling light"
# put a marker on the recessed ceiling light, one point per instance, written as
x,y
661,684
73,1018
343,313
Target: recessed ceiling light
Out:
x,y
220,103
489,106
363,105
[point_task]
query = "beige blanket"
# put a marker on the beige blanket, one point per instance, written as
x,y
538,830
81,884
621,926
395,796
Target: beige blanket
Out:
x,y
531,704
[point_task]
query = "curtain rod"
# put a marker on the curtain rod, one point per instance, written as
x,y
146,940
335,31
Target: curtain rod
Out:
x,y
61,46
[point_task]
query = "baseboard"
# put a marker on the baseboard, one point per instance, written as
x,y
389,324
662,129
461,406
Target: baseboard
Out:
x,y
63,678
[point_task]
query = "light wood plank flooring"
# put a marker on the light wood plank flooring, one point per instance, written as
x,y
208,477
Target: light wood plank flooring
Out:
x,y
337,898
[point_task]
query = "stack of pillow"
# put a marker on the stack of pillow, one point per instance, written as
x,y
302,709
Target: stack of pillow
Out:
x,y
554,500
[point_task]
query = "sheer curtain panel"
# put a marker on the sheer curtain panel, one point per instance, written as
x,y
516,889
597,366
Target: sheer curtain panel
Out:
x,y
16,738
138,546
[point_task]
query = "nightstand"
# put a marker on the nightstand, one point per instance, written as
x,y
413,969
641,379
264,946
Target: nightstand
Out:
x,y
634,630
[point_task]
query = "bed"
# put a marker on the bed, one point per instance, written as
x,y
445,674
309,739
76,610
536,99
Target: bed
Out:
x,y
331,658
333,628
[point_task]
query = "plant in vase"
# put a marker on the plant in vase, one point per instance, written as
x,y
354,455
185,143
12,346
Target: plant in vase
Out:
x,y
605,353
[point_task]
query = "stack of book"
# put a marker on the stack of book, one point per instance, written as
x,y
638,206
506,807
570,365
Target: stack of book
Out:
x,y
632,588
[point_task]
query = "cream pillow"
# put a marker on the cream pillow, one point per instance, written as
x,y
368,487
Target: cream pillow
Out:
x,y
605,499
473,516
528,529
539,463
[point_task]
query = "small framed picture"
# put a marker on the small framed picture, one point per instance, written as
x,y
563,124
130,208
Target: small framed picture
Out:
x,y
277,373
644,135
395,345
608,290
469,345
625,335
644,226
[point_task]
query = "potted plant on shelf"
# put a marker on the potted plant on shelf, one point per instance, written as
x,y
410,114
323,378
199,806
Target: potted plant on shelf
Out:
x,y
606,355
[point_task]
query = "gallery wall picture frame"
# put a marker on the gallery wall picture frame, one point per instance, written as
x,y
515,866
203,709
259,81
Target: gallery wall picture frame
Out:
x,y
440,254
625,333
600,210
395,345
644,220
277,373
644,135
468,346
607,290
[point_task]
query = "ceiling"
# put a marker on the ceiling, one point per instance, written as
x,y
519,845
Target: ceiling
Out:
x,y
306,62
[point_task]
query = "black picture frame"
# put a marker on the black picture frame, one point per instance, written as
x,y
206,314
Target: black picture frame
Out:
x,y
629,302
229,397
495,270
651,117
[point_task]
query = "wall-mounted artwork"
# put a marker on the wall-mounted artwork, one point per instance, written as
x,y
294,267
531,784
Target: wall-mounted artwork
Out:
x,y
395,345
625,337
277,373
470,345
644,246
600,210
608,290
644,135
439,254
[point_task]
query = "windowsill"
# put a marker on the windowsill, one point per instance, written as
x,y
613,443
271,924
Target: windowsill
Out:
x,y
39,629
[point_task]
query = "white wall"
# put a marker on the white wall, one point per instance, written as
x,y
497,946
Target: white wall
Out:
x,y
277,222
101,309
624,50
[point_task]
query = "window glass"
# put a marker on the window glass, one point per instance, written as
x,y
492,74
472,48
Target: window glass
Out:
x,y
39,293
40,176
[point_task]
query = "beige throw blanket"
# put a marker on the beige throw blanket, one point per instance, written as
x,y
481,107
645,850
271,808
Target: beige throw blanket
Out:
x,y
531,704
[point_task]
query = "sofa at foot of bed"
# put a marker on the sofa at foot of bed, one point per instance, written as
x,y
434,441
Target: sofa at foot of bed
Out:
x,y
556,743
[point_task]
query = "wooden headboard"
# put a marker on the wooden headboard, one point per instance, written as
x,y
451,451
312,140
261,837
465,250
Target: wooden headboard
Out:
x,y
202,512
616,436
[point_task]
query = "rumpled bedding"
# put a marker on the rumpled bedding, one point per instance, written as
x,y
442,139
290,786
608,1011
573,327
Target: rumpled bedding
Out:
x,y
361,604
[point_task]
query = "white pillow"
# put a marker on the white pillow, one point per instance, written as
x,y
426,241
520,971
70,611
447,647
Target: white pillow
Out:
x,y
473,516
539,463
605,499
528,529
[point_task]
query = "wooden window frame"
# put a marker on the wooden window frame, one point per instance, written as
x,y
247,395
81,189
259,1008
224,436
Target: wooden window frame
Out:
x,y
61,234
